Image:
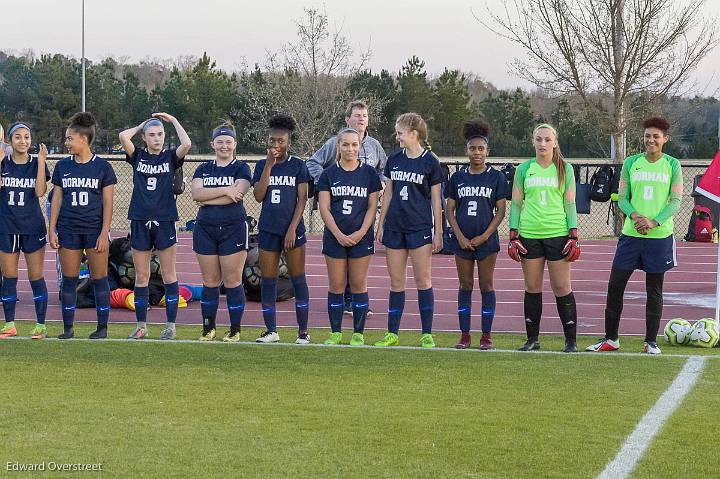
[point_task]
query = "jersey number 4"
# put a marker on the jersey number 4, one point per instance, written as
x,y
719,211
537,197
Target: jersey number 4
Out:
x,y
404,193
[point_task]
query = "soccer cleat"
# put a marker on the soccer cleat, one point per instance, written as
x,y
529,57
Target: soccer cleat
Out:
x,y
39,332
348,312
99,333
168,334
369,313
427,341
334,339
651,347
390,339
302,338
357,339
532,344
486,342
231,337
464,342
268,337
208,334
8,330
139,333
68,333
347,309
570,346
604,345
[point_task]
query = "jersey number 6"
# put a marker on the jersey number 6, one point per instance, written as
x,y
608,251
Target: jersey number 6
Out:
x,y
275,196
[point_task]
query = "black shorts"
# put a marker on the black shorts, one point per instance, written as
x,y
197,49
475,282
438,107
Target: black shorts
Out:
x,y
548,248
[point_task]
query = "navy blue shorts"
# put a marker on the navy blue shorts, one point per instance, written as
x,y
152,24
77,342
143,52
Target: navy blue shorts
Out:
x,y
491,246
652,255
24,243
77,240
548,248
271,242
333,249
220,240
149,235
416,239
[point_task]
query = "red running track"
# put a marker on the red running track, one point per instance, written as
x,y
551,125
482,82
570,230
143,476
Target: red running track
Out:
x,y
689,292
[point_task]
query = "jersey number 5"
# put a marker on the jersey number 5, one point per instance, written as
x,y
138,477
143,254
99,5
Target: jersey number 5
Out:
x,y
347,207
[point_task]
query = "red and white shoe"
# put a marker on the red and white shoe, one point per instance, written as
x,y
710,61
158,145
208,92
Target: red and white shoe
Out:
x,y
486,341
464,342
604,345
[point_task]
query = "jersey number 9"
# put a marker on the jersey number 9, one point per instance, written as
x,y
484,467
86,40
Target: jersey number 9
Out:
x,y
151,183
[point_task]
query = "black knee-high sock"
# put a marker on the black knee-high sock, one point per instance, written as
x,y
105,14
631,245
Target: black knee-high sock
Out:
x,y
533,312
614,302
568,314
654,304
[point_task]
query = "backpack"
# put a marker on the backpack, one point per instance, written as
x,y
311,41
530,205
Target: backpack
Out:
x,y
178,181
508,170
600,184
702,224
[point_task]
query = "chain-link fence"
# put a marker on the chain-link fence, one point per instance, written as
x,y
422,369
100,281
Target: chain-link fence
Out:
x,y
598,224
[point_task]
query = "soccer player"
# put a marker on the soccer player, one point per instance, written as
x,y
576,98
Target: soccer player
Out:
x,y
475,209
348,195
80,217
281,184
22,226
650,192
410,223
220,236
153,214
371,153
543,229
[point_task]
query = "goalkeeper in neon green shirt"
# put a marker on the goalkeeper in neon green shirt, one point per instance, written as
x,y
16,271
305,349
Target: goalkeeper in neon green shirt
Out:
x,y
650,193
543,229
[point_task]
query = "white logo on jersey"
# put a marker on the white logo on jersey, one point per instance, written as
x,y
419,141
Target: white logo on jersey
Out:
x,y
407,176
651,176
153,169
540,181
93,183
282,181
349,191
218,181
18,182
481,191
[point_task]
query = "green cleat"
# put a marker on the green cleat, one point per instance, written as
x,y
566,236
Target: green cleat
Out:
x,y
427,341
39,332
390,339
334,339
8,330
357,339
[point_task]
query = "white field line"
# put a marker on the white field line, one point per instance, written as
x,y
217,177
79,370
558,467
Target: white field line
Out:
x,y
652,422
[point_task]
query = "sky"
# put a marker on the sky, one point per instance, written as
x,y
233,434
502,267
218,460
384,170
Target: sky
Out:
x,y
237,33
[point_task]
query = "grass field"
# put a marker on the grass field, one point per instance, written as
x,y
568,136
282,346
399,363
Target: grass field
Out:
x,y
189,409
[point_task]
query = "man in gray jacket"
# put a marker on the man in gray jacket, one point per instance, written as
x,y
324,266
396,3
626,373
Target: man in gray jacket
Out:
x,y
371,152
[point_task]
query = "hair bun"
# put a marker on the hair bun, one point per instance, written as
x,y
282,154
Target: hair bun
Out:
x,y
475,128
84,119
283,121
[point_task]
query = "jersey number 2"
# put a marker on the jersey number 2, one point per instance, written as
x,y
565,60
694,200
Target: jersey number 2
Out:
x,y
472,208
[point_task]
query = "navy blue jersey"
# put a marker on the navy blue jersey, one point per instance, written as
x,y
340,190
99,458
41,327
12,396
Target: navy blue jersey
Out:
x,y
349,192
412,178
82,184
152,196
214,176
281,196
475,197
20,212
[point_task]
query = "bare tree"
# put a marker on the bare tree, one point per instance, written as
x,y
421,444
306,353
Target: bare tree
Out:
x,y
307,78
617,56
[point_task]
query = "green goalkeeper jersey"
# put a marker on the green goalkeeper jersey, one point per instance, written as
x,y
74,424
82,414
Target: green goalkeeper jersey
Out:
x,y
648,190
543,212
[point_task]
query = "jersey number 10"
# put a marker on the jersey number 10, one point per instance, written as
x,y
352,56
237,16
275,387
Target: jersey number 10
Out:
x,y
80,198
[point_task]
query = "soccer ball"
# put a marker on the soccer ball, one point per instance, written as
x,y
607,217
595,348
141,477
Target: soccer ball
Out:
x,y
253,256
154,264
282,267
126,272
677,331
252,276
704,333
